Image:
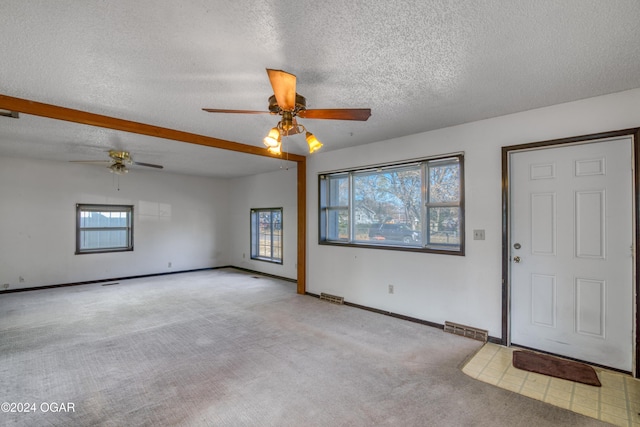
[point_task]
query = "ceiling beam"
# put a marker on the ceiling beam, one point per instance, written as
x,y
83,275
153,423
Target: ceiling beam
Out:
x,y
77,116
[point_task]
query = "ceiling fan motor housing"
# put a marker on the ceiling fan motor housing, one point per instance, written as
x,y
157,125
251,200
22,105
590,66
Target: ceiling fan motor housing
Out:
x,y
120,156
274,108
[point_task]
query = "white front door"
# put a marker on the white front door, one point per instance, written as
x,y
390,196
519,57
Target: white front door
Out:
x,y
571,247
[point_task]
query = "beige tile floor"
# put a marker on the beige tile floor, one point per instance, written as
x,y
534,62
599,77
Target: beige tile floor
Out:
x,y
616,402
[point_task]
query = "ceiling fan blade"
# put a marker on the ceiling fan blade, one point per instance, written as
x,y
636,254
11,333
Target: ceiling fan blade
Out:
x,y
149,165
284,88
361,114
92,162
214,110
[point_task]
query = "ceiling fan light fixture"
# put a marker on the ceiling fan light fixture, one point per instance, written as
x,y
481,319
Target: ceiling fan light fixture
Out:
x,y
118,169
273,138
313,142
287,121
276,149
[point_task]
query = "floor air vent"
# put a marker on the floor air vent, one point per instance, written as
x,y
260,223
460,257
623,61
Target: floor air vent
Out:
x,y
466,331
332,298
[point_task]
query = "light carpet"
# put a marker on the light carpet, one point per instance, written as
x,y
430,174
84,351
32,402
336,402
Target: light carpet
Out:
x,y
227,348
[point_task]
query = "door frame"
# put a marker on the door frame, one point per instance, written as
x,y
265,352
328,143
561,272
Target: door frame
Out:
x,y
634,133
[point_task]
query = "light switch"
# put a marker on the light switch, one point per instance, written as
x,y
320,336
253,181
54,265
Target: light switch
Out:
x,y
478,234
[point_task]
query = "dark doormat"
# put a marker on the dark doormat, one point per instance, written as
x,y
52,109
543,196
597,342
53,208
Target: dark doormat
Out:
x,y
555,367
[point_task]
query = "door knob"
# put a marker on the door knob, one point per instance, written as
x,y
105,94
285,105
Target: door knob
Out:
x,y
516,259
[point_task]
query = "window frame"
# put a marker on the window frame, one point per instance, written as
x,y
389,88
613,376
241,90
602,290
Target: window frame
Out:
x,y
254,231
425,234
88,207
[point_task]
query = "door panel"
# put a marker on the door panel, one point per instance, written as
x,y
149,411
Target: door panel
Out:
x,y
590,307
571,230
543,300
543,223
590,224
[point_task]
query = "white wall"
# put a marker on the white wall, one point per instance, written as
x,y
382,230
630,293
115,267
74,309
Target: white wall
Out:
x,y
177,218
436,287
270,190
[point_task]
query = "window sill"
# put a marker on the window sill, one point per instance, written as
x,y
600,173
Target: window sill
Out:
x,y
429,249
270,261
103,251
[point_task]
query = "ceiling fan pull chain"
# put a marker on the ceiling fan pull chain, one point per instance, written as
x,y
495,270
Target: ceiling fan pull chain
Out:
x,y
116,181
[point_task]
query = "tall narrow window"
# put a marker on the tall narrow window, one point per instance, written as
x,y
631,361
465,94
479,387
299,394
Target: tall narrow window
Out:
x,y
104,228
443,203
266,234
336,192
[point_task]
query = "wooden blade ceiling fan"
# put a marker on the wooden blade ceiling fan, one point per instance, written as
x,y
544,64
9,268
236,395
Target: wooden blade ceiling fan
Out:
x,y
289,104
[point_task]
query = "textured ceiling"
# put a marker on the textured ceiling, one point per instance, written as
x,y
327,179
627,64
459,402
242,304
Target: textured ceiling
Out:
x,y
419,65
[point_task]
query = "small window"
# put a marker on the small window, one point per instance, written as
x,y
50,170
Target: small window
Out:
x,y
104,228
414,205
266,234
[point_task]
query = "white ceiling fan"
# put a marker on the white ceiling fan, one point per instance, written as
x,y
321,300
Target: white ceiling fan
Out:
x,y
118,163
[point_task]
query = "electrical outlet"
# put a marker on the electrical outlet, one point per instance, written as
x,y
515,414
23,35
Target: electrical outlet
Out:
x,y
21,279
390,289
5,286
169,265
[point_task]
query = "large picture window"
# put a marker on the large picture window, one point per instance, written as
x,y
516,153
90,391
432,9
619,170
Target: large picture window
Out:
x,y
266,234
104,228
414,206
